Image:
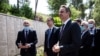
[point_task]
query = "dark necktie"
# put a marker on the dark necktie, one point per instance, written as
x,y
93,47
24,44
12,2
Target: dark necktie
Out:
x,y
92,35
26,35
49,34
61,31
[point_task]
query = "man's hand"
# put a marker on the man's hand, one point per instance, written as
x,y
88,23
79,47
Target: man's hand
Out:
x,y
20,45
28,45
45,54
23,46
56,48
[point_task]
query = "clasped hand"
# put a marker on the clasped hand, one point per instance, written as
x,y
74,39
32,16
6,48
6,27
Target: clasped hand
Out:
x,y
56,48
24,46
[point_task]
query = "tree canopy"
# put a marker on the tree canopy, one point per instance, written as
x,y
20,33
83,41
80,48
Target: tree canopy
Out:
x,y
96,13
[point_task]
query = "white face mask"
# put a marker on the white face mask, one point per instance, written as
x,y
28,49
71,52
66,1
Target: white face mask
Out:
x,y
90,25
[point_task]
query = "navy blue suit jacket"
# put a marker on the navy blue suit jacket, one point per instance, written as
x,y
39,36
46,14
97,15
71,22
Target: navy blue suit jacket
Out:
x,y
32,38
70,40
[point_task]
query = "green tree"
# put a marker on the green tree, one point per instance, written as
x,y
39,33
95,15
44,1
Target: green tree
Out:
x,y
76,3
14,11
21,3
74,13
4,6
24,11
91,3
82,9
27,11
55,4
96,13
57,21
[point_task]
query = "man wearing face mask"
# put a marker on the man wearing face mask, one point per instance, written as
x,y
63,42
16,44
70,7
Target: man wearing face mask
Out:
x,y
95,35
26,40
86,40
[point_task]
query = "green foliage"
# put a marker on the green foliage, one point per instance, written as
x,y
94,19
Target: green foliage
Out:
x,y
82,9
27,11
76,3
74,13
57,21
44,16
55,4
24,11
79,6
40,51
14,10
4,6
96,13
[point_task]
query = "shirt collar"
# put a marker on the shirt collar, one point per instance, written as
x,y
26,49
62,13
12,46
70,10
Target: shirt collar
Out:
x,y
51,27
84,31
92,29
66,21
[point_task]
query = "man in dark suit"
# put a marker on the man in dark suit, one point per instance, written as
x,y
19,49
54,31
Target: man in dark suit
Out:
x,y
26,40
50,38
86,40
70,35
95,35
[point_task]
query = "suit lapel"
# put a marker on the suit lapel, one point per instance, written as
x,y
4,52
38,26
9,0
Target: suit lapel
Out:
x,y
23,34
67,26
51,32
84,34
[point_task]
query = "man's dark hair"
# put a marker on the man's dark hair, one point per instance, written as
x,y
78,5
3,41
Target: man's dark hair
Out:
x,y
51,18
67,9
78,20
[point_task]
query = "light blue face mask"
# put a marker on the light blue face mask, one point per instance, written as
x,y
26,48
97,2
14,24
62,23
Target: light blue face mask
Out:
x,y
27,28
82,28
90,25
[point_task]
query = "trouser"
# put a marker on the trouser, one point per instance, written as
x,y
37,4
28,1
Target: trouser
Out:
x,y
28,54
95,51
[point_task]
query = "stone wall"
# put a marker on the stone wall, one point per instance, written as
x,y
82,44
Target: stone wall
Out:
x,y
9,27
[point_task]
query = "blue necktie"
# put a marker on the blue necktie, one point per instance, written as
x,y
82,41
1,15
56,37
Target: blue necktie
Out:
x,y
49,34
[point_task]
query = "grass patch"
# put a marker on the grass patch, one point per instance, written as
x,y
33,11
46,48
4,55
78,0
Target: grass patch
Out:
x,y
40,51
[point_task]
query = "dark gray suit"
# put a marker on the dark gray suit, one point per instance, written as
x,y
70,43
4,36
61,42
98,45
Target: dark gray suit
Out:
x,y
70,40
